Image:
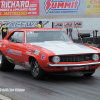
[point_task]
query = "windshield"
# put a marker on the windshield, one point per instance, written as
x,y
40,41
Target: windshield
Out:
x,y
41,36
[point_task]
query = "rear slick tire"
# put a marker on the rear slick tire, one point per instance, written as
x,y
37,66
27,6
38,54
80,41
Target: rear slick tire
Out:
x,y
5,65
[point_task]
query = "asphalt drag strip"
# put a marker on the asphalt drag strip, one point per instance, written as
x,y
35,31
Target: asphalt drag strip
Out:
x,y
4,98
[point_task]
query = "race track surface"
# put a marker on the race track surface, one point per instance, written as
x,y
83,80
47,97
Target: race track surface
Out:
x,y
56,87
70,87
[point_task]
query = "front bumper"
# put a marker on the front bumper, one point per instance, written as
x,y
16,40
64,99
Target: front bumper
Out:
x,y
68,65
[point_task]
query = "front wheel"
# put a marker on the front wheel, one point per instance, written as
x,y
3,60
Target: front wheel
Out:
x,y
5,65
36,71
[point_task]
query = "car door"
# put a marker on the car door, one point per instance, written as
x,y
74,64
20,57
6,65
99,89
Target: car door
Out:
x,y
15,46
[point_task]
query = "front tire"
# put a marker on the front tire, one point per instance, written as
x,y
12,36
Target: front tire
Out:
x,y
5,65
36,71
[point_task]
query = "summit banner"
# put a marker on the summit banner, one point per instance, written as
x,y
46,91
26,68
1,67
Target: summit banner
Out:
x,y
19,7
62,7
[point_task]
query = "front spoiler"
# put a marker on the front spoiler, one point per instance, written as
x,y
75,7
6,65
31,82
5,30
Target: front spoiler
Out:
x,y
74,72
66,65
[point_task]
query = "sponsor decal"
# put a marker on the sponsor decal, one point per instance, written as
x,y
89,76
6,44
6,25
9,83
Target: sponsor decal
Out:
x,y
53,6
21,64
23,24
68,25
0,44
78,24
17,62
76,67
4,45
29,50
58,25
27,64
11,60
43,57
36,52
8,50
72,24
15,52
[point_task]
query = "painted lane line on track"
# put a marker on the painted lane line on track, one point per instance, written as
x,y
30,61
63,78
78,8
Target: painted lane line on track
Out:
x,y
4,98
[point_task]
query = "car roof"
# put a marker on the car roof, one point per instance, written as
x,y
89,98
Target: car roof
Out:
x,y
36,29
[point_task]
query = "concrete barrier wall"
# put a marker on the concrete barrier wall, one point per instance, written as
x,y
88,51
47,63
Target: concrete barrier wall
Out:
x,y
88,23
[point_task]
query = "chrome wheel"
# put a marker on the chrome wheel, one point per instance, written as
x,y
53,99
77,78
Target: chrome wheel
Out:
x,y
36,71
36,68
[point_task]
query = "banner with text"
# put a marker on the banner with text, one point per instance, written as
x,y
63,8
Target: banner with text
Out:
x,y
92,7
13,24
73,24
19,7
62,7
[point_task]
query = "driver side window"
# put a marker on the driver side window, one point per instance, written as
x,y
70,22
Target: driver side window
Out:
x,y
16,37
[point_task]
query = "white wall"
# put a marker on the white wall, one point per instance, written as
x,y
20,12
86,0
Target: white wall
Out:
x,y
87,23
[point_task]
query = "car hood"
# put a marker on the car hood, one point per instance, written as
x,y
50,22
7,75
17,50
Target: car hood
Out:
x,y
61,48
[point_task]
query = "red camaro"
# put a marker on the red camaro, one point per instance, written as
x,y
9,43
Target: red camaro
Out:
x,y
47,50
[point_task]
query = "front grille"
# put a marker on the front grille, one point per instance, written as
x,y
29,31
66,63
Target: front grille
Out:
x,y
74,58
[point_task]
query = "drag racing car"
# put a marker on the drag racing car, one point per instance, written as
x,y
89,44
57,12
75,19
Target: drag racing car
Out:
x,y
44,50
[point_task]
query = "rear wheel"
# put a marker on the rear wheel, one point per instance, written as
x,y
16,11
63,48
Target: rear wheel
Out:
x,y
36,71
5,65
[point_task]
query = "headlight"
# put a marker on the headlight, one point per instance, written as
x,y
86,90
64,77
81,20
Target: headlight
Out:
x,y
95,57
56,59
